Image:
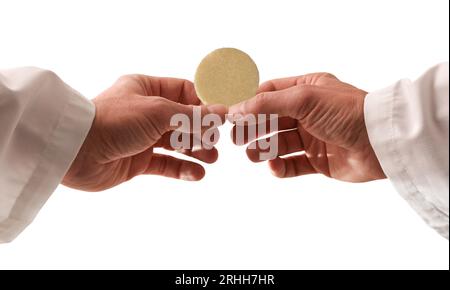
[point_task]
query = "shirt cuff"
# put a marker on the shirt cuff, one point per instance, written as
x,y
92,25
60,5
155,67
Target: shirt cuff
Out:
x,y
61,148
382,119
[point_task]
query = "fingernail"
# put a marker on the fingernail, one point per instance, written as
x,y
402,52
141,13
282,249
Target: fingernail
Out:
x,y
248,119
229,118
218,109
236,117
187,176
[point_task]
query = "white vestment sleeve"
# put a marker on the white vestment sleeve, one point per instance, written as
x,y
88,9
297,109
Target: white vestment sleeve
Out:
x,y
43,123
408,127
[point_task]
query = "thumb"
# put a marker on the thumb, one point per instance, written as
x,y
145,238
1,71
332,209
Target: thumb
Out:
x,y
286,103
187,118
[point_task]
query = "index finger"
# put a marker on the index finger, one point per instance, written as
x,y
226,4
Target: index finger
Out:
x,y
285,83
177,90
281,84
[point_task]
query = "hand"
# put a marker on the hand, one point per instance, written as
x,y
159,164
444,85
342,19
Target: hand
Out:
x,y
132,118
320,116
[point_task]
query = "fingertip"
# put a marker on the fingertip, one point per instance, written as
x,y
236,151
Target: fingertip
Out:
x,y
213,155
190,93
277,167
188,83
267,86
253,106
206,155
218,109
194,172
253,154
235,109
229,117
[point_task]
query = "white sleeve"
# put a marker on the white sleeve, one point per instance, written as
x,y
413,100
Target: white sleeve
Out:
x,y
408,127
43,123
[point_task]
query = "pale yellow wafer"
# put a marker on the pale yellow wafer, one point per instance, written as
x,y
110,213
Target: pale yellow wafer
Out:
x,y
226,76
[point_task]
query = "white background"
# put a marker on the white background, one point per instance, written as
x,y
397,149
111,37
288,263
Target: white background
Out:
x,y
239,216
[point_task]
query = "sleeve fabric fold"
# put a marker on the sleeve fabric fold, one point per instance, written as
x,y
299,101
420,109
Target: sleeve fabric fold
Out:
x,y
408,127
43,123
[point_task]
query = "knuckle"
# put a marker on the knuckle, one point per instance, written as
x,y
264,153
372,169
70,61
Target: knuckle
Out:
x,y
187,83
305,91
160,103
128,77
123,78
304,101
322,78
259,101
328,75
155,108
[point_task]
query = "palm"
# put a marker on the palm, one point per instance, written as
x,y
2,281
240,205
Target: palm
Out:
x,y
334,161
